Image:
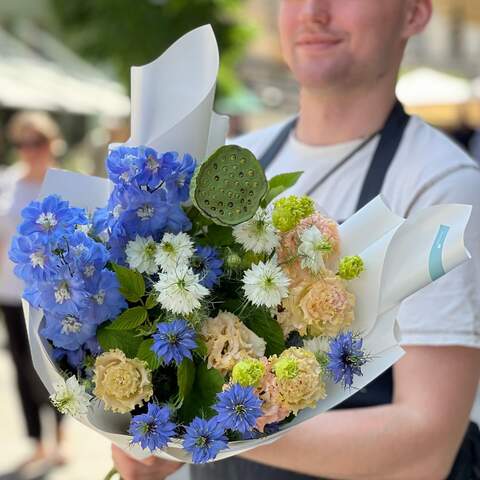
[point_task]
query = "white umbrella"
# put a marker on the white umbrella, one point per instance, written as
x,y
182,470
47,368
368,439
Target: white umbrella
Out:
x,y
426,87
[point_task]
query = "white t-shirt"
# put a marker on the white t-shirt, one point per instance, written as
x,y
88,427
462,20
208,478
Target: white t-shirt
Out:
x,y
15,194
428,169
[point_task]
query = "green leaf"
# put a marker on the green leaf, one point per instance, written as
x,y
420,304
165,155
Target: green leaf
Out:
x,y
152,301
201,349
279,184
129,319
132,285
122,339
146,354
208,382
185,378
261,323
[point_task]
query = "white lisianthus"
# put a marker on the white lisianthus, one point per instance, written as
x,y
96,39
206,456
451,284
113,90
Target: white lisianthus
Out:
x,y
180,290
265,284
313,246
257,234
70,397
174,251
141,254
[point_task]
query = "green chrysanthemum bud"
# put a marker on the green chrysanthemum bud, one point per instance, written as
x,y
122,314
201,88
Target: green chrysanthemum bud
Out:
x,y
248,373
290,210
286,367
350,267
232,260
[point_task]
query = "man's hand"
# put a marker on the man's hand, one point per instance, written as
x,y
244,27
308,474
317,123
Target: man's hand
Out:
x,y
152,468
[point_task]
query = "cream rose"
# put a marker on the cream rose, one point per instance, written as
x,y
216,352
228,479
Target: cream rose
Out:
x,y
122,383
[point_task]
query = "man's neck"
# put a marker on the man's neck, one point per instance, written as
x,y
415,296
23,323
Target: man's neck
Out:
x,y
337,117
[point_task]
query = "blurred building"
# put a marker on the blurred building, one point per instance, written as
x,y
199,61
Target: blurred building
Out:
x,y
38,72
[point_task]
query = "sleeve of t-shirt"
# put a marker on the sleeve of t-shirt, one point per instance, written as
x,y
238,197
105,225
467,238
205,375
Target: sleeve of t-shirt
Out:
x,y
447,312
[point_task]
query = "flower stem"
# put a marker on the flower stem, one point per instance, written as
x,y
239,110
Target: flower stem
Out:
x,y
111,474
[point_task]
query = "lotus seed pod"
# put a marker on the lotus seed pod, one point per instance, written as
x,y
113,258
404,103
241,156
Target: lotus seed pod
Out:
x,y
227,187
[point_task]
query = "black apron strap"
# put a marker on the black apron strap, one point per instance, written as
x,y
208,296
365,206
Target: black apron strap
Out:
x,y
390,139
278,143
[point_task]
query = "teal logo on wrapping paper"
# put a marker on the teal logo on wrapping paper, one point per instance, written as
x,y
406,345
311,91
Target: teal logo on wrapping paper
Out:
x,y
435,263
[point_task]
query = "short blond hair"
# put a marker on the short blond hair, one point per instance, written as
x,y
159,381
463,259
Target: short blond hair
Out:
x,y
40,122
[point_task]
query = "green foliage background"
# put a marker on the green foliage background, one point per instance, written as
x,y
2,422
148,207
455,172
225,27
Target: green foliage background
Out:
x,y
134,32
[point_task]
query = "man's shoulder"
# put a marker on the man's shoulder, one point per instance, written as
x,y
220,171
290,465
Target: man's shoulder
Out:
x,y
259,140
431,152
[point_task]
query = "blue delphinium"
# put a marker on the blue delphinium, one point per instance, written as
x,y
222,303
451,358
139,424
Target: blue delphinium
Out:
x,y
178,182
204,439
238,408
105,300
123,163
153,429
208,266
32,257
346,358
67,331
174,341
74,358
65,294
52,217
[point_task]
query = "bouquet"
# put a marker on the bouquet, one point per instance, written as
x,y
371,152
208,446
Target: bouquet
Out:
x,y
184,309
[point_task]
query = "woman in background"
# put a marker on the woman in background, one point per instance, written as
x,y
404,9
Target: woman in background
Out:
x,y
35,136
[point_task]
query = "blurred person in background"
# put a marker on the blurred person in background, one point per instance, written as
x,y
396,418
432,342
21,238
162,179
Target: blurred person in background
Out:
x,y
353,140
35,137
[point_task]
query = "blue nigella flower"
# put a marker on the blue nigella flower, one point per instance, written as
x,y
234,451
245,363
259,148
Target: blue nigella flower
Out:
x,y
153,429
68,331
105,300
238,408
208,266
52,217
174,341
178,182
33,258
346,358
204,439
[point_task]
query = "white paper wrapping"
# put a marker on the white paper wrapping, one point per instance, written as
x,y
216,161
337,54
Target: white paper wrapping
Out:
x,y
172,100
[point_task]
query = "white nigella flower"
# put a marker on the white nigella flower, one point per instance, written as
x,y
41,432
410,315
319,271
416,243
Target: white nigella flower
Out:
x,y
174,251
141,254
317,345
312,248
265,284
257,234
70,397
180,290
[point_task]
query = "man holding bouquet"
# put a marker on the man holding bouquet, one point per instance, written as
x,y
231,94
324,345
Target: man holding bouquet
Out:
x,y
353,141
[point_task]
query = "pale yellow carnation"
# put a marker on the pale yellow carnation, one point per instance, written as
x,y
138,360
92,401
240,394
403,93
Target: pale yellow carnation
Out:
x,y
122,383
327,306
307,387
272,407
228,341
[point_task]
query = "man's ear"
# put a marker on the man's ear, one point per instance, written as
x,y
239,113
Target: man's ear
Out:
x,y
417,17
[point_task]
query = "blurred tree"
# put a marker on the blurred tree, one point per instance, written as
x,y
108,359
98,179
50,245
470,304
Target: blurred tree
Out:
x,y
134,32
